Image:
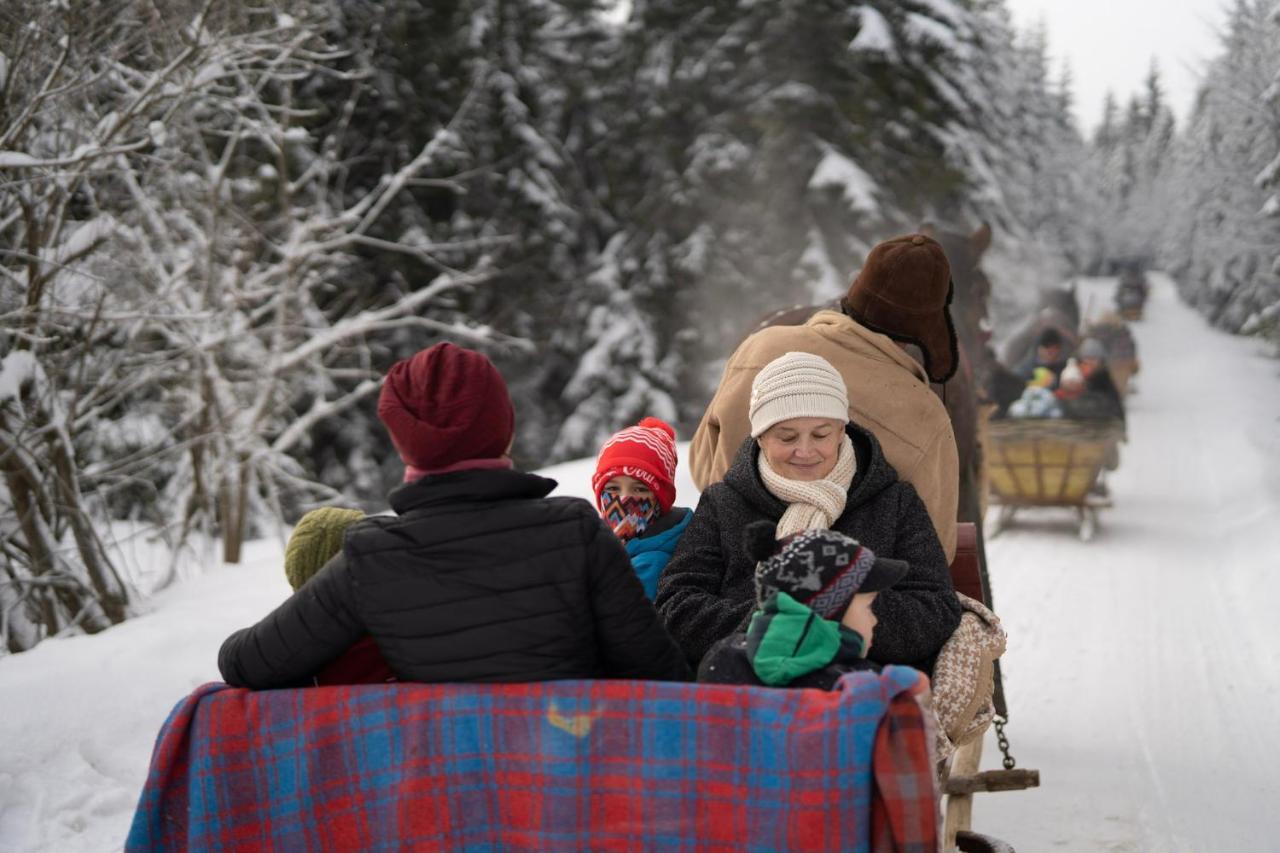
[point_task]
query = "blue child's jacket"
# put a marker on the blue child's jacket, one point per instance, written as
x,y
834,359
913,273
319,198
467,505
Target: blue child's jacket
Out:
x,y
651,550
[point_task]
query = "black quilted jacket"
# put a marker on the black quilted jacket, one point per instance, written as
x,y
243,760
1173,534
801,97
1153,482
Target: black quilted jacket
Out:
x,y
478,577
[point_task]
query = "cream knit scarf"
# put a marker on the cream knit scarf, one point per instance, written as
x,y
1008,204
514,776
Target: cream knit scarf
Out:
x,y
811,504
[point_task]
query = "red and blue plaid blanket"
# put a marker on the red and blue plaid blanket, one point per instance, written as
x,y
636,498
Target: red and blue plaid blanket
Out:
x,y
568,765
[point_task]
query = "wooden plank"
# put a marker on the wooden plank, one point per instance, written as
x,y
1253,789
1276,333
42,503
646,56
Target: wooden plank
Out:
x,y
959,811
993,780
1071,463
966,572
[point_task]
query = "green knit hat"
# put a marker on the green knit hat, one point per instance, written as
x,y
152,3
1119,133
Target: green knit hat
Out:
x,y
316,538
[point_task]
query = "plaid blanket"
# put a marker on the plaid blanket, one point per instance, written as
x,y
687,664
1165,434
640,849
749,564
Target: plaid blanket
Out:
x,y
568,765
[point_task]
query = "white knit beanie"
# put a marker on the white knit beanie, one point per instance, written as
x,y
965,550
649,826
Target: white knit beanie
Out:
x,y
797,385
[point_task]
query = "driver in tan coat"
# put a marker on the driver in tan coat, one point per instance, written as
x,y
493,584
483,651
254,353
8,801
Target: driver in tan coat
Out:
x,y
900,297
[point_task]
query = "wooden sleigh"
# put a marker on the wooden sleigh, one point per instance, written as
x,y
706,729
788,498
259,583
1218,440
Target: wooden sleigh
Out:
x,y
1050,462
601,765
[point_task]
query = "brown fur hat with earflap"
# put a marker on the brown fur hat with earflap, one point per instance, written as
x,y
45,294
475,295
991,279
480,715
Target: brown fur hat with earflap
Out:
x,y
903,291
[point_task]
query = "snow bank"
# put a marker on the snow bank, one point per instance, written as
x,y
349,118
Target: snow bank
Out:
x,y
81,713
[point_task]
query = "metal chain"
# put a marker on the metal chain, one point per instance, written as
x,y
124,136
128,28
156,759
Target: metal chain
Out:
x,y
1009,761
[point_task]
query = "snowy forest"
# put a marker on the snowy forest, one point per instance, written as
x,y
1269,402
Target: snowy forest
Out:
x,y
220,223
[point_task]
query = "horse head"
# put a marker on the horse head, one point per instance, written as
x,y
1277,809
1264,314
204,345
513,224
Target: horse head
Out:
x,y
1063,302
972,295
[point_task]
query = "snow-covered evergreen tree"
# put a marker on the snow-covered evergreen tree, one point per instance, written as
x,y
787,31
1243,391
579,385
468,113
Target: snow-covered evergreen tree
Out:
x,y
1223,235
1038,187
527,164
755,152
1127,169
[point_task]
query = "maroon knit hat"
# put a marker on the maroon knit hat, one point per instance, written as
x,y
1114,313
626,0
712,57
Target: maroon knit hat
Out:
x,y
445,405
903,291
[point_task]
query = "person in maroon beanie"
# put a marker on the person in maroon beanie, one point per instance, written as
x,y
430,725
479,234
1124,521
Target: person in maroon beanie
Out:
x,y
478,575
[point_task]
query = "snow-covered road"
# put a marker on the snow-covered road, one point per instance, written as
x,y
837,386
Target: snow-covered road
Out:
x,y
1142,668
1143,671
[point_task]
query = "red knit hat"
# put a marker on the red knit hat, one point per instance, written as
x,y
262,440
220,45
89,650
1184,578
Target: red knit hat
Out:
x,y
646,452
445,405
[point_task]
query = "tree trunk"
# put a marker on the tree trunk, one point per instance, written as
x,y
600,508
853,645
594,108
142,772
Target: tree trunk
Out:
x,y
18,631
109,589
235,508
57,590
39,557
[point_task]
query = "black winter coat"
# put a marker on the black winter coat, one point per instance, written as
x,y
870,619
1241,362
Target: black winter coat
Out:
x,y
707,591
1100,401
479,577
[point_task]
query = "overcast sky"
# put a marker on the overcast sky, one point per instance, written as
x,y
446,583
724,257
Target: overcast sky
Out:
x,y
1110,44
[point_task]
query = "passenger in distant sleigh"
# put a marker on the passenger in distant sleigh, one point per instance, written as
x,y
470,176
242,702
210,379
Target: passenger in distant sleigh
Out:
x,y
1048,358
1082,390
479,576
1090,393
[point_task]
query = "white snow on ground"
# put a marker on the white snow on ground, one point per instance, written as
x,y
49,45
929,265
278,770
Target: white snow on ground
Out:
x,y
1142,670
79,715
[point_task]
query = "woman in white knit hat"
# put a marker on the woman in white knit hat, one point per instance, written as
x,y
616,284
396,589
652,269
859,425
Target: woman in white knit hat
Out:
x,y
806,466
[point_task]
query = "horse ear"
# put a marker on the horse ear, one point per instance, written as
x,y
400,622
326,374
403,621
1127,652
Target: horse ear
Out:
x,y
927,229
981,239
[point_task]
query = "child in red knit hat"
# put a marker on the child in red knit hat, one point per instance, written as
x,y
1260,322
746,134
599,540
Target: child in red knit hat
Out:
x,y
635,489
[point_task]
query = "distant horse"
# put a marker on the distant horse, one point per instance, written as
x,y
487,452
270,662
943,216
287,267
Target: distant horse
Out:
x,y
1058,308
962,395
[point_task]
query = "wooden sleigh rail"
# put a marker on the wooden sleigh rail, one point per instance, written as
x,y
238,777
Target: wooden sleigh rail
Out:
x,y
993,780
961,778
